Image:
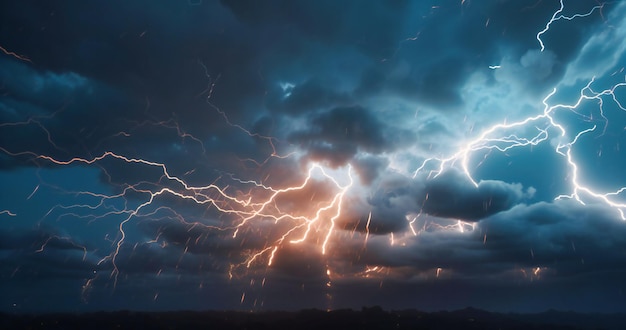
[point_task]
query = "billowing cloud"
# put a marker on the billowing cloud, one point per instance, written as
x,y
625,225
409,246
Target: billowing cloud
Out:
x,y
339,134
453,195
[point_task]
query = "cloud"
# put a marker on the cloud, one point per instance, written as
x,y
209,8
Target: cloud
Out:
x,y
369,167
247,94
453,195
344,22
31,254
394,199
564,235
535,71
386,203
599,55
338,134
311,96
44,111
564,239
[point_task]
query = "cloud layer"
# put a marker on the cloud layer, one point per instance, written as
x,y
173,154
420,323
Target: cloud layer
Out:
x,y
232,102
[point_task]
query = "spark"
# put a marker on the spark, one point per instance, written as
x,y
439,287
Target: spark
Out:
x,y
212,82
533,273
271,258
411,222
557,17
414,38
32,193
86,288
7,212
328,274
371,269
367,228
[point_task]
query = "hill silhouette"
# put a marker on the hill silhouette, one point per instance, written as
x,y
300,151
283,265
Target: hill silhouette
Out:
x,y
366,318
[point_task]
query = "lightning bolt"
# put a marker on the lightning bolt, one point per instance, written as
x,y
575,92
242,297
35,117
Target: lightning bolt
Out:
x,y
501,137
245,209
334,206
496,138
556,17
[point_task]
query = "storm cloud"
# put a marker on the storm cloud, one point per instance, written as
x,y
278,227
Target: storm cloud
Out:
x,y
298,154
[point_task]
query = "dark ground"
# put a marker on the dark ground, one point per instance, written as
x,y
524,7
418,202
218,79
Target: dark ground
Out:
x,y
367,318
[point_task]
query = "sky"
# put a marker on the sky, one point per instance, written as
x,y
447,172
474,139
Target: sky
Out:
x,y
279,155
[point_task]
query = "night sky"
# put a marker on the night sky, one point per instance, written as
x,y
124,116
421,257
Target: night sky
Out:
x,y
278,155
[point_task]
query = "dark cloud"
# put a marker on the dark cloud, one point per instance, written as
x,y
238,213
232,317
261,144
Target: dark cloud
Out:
x,y
534,252
337,135
453,195
46,112
308,97
299,262
563,235
28,255
37,240
343,21
391,198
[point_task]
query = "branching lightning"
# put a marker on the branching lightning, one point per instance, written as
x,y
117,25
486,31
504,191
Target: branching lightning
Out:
x,y
497,138
502,137
557,16
246,209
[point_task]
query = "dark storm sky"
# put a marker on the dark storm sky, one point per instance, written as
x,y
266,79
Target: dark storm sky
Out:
x,y
249,95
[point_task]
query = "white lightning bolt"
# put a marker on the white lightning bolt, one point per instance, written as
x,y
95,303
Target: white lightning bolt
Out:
x,y
557,17
496,138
